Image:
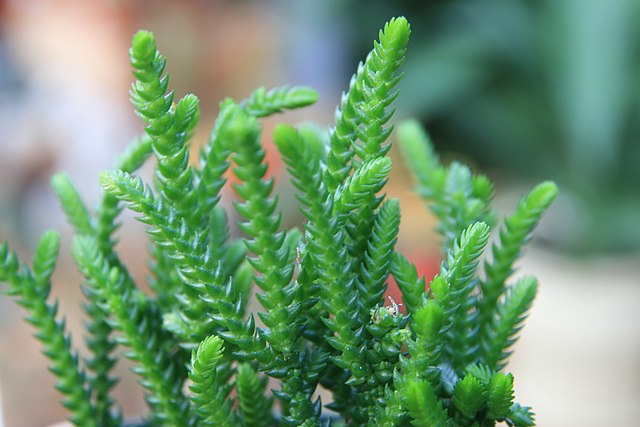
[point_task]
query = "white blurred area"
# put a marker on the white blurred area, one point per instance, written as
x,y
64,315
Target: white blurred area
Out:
x,y
578,361
1,411
65,107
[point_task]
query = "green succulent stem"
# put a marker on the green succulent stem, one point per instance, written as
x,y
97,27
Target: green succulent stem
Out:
x,y
31,288
156,368
510,314
363,111
455,296
210,399
253,405
102,226
263,103
261,223
209,300
513,236
411,286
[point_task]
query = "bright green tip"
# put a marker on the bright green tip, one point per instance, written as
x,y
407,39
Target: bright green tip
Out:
x,y
241,125
60,181
304,96
288,141
143,46
412,130
106,179
544,193
384,163
285,136
187,112
82,249
549,188
50,239
479,228
396,32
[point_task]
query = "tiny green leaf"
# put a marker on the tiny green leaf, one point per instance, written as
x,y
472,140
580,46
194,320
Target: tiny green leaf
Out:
x,y
500,396
469,395
423,405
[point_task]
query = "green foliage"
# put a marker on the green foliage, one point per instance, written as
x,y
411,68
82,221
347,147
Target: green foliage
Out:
x,y
424,406
368,179
254,406
148,348
458,272
459,198
514,234
521,416
508,319
406,276
500,396
264,103
484,315
101,226
426,347
377,260
209,385
363,111
469,395
31,287
324,319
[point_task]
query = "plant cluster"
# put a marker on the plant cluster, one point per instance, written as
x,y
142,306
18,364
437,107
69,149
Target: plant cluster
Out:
x,y
201,356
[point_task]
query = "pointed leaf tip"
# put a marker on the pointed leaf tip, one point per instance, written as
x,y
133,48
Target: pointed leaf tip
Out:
x,y
546,192
396,31
304,95
106,179
143,46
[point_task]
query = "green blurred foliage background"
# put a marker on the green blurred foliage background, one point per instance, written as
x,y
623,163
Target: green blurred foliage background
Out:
x,y
538,89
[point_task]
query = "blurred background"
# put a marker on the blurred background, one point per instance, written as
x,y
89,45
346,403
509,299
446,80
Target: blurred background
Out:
x,y
522,90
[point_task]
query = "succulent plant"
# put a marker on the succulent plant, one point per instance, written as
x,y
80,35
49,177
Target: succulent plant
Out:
x,y
202,357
